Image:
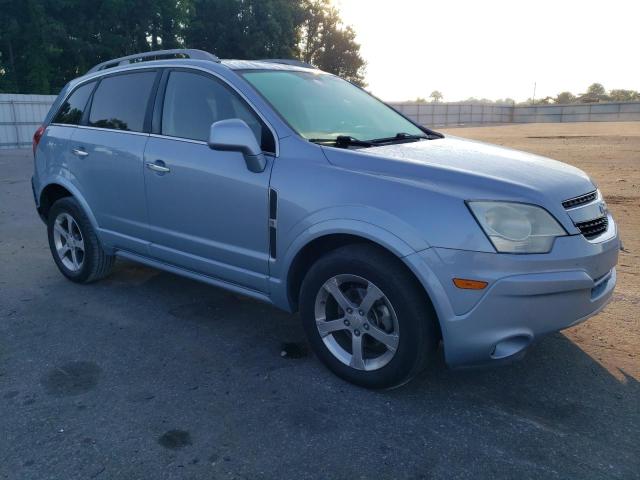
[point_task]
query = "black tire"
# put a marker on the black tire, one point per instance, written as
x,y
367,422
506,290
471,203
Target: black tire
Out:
x,y
418,332
96,264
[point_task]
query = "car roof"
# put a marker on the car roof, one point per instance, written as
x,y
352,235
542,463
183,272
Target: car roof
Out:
x,y
266,65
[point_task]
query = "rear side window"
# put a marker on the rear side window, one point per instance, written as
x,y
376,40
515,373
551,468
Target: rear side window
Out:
x,y
71,111
120,102
192,102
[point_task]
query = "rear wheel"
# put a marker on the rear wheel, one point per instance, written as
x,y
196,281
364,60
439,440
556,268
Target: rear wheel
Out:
x,y
366,317
74,244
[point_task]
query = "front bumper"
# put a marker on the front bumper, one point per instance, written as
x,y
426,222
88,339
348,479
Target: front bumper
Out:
x,y
528,296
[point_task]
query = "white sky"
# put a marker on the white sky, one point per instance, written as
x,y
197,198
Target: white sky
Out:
x,y
495,48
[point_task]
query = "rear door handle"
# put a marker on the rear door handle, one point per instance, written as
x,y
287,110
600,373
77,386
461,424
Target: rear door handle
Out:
x,y
158,166
78,152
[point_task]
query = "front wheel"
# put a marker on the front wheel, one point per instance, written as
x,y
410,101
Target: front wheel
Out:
x,y
367,318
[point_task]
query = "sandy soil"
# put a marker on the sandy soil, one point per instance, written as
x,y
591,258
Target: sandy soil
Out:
x,y
610,154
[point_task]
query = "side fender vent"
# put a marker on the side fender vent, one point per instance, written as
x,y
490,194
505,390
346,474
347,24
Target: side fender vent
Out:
x,y
273,221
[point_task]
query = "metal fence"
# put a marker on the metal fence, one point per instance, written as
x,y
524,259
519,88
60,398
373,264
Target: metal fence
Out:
x,y
442,114
20,116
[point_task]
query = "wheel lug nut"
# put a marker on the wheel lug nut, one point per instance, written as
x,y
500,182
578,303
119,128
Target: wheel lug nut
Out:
x,y
361,313
349,310
347,323
366,326
356,333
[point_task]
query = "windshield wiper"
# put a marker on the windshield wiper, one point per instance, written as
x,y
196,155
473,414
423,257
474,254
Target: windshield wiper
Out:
x,y
343,141
399,137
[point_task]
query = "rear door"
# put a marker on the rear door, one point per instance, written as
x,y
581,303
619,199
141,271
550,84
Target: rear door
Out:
x,y
108,149
208,212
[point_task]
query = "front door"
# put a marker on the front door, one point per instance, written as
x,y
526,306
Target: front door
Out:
x,y
207,212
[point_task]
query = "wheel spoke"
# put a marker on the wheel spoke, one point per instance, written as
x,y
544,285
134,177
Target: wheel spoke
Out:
x,y
357,356
58,228
74,258
327,327
373,294
333,288
389,340
69,221
62,251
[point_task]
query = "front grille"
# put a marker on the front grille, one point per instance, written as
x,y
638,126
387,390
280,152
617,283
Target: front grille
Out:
x,y
593,228
581,200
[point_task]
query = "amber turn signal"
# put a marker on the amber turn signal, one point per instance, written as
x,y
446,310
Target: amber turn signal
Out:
x,y
469,284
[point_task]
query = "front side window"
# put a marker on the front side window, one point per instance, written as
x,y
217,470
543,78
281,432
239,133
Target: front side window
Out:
x,y
71,111
120,102
321,106
192,102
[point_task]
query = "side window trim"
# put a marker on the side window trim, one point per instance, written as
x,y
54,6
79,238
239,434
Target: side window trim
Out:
x,y
159,105
156,123
84,121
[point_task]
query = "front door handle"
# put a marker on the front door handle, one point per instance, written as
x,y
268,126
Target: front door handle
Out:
x,y
158,166
78,152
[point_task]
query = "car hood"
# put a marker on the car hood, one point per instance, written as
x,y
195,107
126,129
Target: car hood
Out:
x,y
469,169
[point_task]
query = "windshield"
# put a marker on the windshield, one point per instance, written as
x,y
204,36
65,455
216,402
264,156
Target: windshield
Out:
x,y
321,106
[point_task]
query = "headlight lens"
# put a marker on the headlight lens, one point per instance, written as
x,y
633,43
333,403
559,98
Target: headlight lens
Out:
x,y
517,227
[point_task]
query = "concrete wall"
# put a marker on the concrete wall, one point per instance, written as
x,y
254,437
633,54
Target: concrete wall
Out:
x,y
20,116
440,114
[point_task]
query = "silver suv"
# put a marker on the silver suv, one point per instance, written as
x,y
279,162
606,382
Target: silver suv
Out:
x,y
278,181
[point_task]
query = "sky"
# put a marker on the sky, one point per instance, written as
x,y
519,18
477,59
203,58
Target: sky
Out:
x,y
495,48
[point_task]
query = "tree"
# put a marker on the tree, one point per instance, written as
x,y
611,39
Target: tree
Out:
x,y
595,93
326,43
46,43
565,97
436,96
245,28
621,95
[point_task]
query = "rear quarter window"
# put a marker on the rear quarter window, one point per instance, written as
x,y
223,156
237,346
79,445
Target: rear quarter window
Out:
x,y
71,111
120,102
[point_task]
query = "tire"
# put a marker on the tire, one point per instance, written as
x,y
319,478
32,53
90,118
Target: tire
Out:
x,y
391,320
78,255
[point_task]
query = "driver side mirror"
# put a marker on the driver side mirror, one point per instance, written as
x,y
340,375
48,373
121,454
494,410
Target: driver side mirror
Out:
x,y
234,135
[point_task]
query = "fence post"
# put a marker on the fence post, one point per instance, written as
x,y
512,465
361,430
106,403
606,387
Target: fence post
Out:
x,y
15,121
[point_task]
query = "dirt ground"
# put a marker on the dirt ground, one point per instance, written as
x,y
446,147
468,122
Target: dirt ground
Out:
x,y
610,154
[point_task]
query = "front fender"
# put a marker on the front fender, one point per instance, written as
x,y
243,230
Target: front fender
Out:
x,y
394,236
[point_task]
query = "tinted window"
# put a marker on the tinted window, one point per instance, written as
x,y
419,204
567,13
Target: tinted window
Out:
x,y
71,110
193,102
120,102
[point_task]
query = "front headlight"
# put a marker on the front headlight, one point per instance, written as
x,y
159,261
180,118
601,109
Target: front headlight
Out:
x,y
517,227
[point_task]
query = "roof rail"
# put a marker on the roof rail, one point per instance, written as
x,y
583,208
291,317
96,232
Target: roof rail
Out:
x,y
156,55
289,61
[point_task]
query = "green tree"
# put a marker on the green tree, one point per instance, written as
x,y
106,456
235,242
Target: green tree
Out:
x,y
621,95
436,96
328,44
565,97
45,43
595,93
244,28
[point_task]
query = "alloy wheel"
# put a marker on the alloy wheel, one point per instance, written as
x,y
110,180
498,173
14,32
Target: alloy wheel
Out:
x,y
356,322
69,242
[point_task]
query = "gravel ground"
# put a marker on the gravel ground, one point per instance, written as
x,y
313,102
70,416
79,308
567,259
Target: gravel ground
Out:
x,y
149,375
